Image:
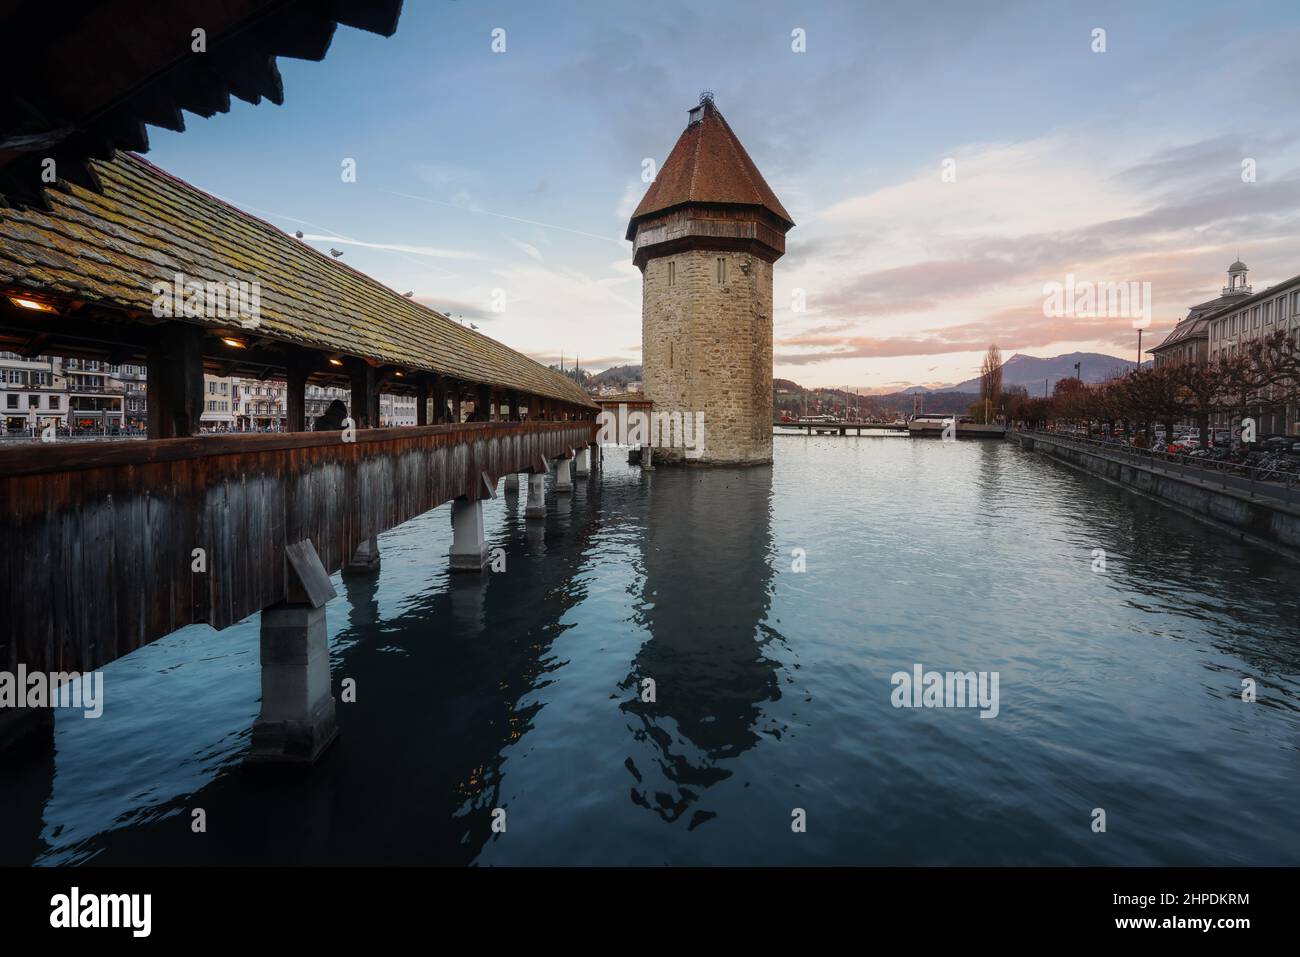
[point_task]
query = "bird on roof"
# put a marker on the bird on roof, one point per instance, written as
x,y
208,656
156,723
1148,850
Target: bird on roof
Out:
x,y
336,253
298,233
474,327
408,295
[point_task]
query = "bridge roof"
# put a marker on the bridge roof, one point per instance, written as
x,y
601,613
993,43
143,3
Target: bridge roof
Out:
x,y
68,94
145,226
708,165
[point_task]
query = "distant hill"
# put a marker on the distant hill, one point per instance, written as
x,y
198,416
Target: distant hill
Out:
x,y
1031,371
617,375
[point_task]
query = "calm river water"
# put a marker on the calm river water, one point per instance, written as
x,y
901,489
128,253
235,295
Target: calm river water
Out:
x,y
1118,689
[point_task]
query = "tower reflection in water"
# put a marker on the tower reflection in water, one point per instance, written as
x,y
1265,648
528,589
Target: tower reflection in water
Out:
x,y
707,556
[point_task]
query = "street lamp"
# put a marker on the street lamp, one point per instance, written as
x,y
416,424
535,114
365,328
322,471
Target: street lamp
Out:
x,y
1140,323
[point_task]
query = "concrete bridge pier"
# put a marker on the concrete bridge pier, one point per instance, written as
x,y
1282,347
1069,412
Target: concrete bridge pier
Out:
x,y
296,723
563,476
512,483
469,551
365,560
647,462
536,508
582,463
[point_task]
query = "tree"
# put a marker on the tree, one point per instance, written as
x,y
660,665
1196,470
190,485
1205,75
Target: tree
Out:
x,y
1156,394
991,381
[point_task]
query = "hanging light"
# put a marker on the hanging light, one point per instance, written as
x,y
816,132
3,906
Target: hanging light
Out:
x,y
31,304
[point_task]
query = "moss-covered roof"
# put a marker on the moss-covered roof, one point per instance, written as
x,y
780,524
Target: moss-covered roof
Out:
x,y
147,225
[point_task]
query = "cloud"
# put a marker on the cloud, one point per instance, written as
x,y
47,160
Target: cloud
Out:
x,y
432,251
459,308
527,248
966,261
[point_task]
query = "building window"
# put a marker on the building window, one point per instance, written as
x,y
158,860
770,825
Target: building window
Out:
x,y
722,270
55,402
672,273
12,401
33,401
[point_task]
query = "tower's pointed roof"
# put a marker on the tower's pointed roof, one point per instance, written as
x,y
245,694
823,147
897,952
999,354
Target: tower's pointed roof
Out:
x,y
708,165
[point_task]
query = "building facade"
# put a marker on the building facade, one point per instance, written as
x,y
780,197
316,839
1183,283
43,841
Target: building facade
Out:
x,y
76,394
1189,340
89,397
705,237
1231,329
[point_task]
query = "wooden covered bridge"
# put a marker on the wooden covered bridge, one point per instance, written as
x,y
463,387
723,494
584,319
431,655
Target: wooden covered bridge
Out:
x,y
110,545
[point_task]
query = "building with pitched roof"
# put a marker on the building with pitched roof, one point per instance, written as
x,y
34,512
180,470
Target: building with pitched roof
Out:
x,y
1189,340
705,236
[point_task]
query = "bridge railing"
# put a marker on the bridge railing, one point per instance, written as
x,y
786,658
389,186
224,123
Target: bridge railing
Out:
x,y
109,547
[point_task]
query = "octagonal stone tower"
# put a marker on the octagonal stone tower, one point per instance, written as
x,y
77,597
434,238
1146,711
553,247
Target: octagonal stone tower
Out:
x,y
705,237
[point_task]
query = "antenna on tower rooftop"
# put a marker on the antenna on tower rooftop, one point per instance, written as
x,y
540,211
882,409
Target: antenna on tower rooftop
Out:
x,y
706,97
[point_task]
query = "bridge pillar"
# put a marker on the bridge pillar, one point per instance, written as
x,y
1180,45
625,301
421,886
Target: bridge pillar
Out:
x,y
647,462
296,724
536,507
469,551
512,483
563,477
365,559
582,464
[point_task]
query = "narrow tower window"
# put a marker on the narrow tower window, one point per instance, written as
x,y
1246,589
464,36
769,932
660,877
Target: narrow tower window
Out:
x,y
722,270
672,273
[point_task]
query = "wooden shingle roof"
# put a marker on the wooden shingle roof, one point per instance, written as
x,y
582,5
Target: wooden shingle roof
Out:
x,y
146,225
707,165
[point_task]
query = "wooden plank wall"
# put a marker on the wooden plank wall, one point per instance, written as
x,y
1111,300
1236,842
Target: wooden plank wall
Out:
x,y
98,539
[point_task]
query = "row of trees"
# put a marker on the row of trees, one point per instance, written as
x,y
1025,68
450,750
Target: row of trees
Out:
x,y
1260,377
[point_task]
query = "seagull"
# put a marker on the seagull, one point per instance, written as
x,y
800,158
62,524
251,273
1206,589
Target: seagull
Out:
x,y
474,327
408,295
298,233
336,253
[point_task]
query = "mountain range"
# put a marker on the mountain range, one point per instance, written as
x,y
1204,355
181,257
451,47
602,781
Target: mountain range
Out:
x,y
1031,371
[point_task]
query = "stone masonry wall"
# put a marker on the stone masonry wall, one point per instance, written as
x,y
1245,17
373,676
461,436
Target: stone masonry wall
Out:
x,y
707,347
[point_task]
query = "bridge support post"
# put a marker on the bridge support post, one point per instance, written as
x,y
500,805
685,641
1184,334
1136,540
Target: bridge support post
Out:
x,y
469,552
512,483
365,559
582,464
563,477
536,507
647,462
296,724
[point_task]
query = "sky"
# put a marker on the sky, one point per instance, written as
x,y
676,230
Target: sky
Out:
x,y
943,163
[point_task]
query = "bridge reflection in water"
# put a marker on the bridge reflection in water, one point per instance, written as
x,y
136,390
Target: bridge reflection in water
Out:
x,y
453,674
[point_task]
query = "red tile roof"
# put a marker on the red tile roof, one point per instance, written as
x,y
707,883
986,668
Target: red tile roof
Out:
x,y
708,165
